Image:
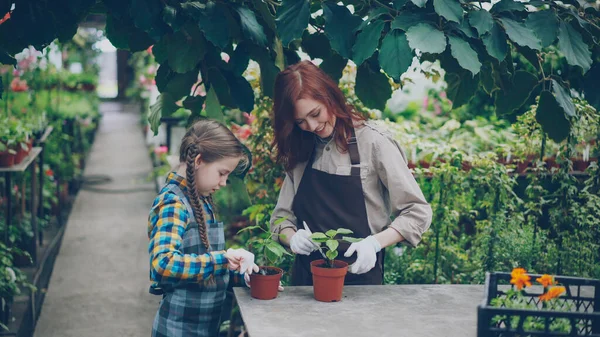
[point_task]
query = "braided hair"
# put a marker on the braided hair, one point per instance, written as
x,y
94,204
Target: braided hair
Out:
x,y
212,141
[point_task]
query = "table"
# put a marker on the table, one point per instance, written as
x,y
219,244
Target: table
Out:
x,y
382,311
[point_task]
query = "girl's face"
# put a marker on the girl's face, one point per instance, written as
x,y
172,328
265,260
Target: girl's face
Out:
x,y
312,116
210,177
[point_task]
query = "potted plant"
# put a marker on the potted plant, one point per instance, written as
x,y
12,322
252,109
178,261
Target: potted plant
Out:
x,y
7,145
329,273
265,283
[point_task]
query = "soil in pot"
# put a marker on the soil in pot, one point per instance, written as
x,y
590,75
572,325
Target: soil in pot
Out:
x,y
328,283
264,285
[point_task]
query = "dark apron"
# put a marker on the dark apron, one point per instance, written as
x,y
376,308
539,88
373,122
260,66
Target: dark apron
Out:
x,y
329,201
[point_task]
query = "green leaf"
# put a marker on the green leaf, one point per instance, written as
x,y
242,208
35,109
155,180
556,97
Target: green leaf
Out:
x,y
395,55
373,14
194,104
407,19
331,233
253,30
160,50
216,79
367,42
563,98
508,100
495,43
316,45
398,4
552,117
572,46
334,66
178,85
164,106
117,33
241,92
464,54
591,83
276,249
319,237
545,25
461,87
419,3
213,23
240,59
331,254
339,28
213,107
292,19
488,78
372,87
351,239
426,38
249,228
268,69
344,231
451,10
508,6
263,9
185,49
481,20
332,244
520,34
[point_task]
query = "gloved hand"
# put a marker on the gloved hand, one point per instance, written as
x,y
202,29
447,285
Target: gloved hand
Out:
x,y
366,251
247,280
241,259
300,243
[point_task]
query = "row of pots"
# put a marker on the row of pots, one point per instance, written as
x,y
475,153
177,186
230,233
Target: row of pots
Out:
x,y
328,283
579,165
16,154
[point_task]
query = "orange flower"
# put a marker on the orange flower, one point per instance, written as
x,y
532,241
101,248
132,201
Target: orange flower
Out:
x,y
546,280
6,17
520,279
552,293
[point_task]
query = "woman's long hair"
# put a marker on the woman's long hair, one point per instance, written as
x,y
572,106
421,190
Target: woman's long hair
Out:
x,y
304,80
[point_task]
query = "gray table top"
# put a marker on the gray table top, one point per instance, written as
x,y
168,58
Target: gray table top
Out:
x,y
390,310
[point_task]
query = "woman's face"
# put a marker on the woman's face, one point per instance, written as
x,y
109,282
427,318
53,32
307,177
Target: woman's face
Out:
x,y
312,116
212,176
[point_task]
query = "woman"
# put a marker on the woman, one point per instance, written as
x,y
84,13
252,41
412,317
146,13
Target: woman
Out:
x,y
341,172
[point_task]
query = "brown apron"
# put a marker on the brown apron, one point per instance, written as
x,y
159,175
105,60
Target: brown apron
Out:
x,y
329,201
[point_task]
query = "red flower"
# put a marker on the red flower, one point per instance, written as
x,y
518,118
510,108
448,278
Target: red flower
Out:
x,y
49,173
6,17
17,85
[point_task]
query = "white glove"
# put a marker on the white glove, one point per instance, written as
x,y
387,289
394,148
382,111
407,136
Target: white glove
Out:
x,y
247,280
241,259
300,243
366,251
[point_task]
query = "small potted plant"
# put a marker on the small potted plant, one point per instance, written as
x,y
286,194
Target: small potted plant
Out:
x,y
329,273
265,283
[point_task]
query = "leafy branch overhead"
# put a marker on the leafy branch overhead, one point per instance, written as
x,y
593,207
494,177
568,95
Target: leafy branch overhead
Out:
x,y
506,50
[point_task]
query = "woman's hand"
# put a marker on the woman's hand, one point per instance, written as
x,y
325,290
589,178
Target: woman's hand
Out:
x,y
242,260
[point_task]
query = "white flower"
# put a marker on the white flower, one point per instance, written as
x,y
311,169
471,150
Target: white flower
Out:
x,y
11,273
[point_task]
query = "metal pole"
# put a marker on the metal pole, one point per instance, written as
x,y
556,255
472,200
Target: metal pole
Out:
x,y
41,192
32,209
7,188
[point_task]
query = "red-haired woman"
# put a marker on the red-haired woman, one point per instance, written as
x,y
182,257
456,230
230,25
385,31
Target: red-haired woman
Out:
x,y
342,171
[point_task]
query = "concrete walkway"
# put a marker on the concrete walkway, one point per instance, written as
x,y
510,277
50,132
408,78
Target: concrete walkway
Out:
x,y
99,286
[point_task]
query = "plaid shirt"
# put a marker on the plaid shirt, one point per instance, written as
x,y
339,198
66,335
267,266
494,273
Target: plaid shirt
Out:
x,y
167,223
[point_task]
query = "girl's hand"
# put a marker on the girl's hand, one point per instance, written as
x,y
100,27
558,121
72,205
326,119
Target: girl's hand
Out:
x,y
242,259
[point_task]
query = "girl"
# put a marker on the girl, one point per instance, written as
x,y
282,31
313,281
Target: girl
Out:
x,y
341,172
188,264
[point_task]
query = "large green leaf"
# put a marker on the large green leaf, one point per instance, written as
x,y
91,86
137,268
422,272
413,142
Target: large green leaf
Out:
x,y
241,92
339,28
545,25
495,42
292,19
481,20
334,66
217,80
117,33
268,69
332,244
572,46
344,231
488,78
178,85
461,87
316,45
263,9
512,98
520,34
319,237
395,55
160,50
372,87
367,42
406,19
213,107
426,38
398,4
213,23
552,117
240,59
251,28
591,83
373,14
508,6
185,49
164,106
451,10
139,41
563,98
464,54
419,3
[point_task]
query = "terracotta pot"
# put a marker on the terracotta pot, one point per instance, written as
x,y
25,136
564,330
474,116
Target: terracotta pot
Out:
x,y
7,159
21,154
328,283
580,165
265,287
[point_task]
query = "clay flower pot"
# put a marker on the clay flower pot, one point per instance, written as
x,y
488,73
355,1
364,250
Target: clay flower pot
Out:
x,y
328,283
265,287
7,159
